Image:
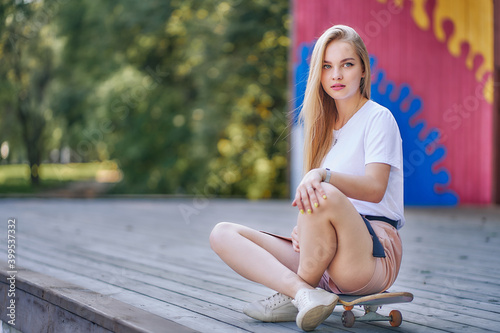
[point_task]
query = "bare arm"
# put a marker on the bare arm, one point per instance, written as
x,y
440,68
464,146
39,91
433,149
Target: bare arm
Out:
x,y
369,187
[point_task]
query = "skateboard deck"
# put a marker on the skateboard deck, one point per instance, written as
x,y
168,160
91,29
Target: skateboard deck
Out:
x,y
371,303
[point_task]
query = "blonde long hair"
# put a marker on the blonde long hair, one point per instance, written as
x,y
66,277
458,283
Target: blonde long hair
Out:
x,y
319,112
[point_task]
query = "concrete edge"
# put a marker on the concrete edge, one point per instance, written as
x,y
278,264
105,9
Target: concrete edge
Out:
x,y
104,311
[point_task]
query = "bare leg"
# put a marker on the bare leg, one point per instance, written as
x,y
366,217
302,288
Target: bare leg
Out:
x,y
335,238
318,246
258,257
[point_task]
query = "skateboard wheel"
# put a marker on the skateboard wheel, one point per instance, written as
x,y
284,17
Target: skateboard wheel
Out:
x,y
348,307
396,318
348,318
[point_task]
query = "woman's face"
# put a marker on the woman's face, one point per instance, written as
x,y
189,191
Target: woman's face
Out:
x,y
342,71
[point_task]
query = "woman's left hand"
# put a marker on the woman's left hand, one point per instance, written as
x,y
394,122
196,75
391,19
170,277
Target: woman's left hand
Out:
x,y
308,191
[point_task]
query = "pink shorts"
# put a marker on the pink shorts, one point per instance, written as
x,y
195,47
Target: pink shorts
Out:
x,y
386,269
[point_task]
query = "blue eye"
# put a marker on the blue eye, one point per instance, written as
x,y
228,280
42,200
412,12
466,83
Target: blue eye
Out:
x,y
326,66
348,64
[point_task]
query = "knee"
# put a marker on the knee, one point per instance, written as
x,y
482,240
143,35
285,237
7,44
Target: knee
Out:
x,y
334,197
327,210
220,234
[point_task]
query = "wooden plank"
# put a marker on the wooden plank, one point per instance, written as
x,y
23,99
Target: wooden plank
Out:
x,y
130,251
204,303
143,270
139,300
99,268
70,300
81,264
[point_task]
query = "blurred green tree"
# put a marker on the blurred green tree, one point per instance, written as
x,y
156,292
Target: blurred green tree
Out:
x,y
27,53
253,148
188,96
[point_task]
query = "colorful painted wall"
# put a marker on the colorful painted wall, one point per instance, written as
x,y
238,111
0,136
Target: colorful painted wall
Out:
x,y
432,63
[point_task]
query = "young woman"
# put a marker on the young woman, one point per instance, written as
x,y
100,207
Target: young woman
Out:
x,y
350,199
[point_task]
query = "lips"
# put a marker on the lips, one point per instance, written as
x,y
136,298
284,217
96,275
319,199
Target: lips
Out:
x,y
337,86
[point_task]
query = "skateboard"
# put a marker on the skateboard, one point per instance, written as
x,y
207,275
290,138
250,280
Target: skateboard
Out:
x,y
371,304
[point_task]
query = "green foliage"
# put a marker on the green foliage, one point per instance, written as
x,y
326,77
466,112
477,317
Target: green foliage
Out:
x,y
188,96
16,177
253,147
26,48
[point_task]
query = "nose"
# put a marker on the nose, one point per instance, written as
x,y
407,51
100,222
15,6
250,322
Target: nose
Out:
x,y
336,73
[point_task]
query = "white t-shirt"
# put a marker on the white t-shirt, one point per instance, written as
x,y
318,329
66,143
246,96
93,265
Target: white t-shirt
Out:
x,y
371,136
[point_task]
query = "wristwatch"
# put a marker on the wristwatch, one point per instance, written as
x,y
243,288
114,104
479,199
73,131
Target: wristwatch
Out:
x,y
328,176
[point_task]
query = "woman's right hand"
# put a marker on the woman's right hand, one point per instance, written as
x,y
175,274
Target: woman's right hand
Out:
x,y
295,239
308,191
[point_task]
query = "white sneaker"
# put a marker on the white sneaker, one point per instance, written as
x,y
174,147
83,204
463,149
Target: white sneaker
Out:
x,y
275,308
315,305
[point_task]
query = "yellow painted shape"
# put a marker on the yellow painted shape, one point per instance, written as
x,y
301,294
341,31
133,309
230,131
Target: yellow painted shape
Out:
x,y
473,24
419,14
488,90
399,3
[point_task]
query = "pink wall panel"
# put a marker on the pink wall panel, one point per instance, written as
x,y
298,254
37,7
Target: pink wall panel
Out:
x,y
451,93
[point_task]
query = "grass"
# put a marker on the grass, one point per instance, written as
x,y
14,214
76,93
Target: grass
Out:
x,y
15,178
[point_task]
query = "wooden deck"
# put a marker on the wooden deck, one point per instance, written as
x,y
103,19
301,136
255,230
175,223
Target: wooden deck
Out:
x,y
154,254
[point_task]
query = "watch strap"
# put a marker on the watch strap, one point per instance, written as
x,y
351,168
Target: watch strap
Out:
x,y
328,176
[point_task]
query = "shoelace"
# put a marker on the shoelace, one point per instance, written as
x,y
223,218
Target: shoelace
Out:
x,y
276,299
